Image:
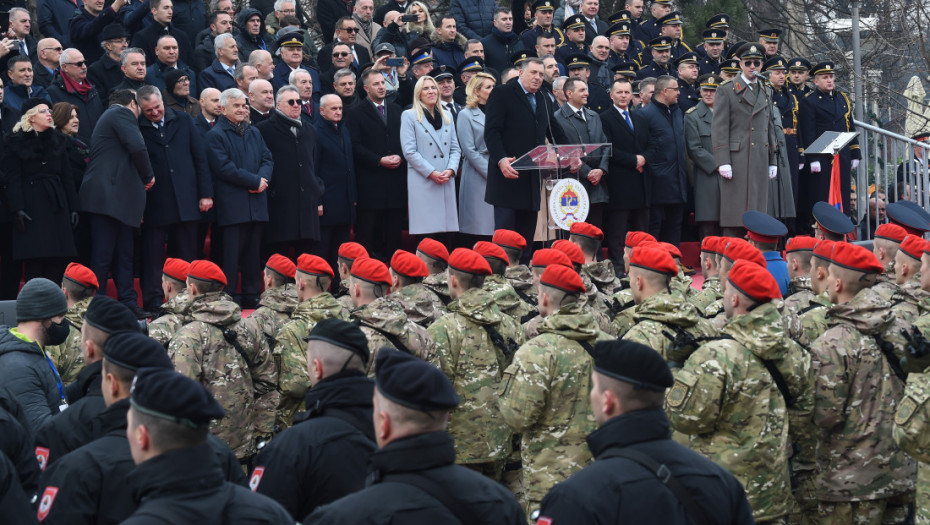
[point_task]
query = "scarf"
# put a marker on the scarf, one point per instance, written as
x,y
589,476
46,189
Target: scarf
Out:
x,y
238,128
71,86
434,118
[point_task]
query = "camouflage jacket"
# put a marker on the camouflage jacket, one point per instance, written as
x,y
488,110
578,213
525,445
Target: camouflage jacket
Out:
x,y
805,315
506,297
886,286
907,302
274,310
437,283
475,365
421,304
342,295
681,283
239,378
521,278
290,353
856,398
385,325
912,434
593,298
708,297
660,319
546,397
622,306
174,314
726,400
68,356
603,275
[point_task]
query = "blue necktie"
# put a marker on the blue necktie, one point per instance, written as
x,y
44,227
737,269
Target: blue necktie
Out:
x,y
626,115
532,97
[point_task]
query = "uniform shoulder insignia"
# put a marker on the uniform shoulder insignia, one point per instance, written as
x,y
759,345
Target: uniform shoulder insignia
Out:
x,y
677,395
906,409
690,110
725,82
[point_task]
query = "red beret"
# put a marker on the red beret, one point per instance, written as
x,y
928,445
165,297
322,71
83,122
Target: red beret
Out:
x,y
914,246
489,249
509,238
634,238
800,243
546,256
82,275
927,248
469,261
371,270
176,269
709,244
891,232
570,249
824,250
855,257
434,249
314,265
409,265
563,278
352,251
282,265
653,258
671,249
753,281
741,249
206,271
587,230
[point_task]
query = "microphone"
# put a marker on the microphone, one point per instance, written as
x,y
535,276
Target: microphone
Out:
x,y
760,75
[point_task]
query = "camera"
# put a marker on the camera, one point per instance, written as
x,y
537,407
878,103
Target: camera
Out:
x,y
409,18
394,62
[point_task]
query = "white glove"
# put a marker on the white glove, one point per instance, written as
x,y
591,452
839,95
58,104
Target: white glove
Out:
x,y
800,166
773,172
855,163
815,166
726,171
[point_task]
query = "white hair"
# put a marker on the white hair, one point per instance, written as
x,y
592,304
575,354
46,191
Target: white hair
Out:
x,y
280,4
220,41
65,57
230,94
292,78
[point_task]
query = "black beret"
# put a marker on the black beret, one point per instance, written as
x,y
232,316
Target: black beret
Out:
x,y
632,363
113,31
166,394
33,102
134,350
342,334
108,315
409,381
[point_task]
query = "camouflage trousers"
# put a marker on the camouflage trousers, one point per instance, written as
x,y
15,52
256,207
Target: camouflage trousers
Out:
x,y
923,494
890,511
804,509
776,521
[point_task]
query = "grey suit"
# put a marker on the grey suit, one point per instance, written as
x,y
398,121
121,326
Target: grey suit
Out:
x,y
475,216
698,121
587,131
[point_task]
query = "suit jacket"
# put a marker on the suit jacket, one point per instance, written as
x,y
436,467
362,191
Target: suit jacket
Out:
x,y
30,48
698,123
628,188
591,32
216,76
379,188
238,164
282,71
665,153
337,173
148,38
588,131
325,57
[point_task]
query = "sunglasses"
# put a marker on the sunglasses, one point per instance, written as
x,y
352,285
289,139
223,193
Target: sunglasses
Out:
x,y
58,49
293,102
341,55
756,63
350,29
78,64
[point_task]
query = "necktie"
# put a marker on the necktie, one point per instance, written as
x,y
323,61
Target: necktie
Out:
x,y
381,110
580,114
308,109
532,97
22,48
231,71
212,123
626,115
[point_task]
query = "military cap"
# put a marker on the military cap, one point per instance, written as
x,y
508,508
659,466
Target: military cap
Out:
x,y
82,275
890,232
314,265
770,35
730,65
543,5
633,239
734,49
740,249
342,334
916,208
547,256
763,228
620,16
294,39
469,261
824,250
923,136
281,265
407,264
619,29
907,218
673,18
522,56
714,36
671,249
563,278
206,271
490,250
441,72
913,245
351,251
709,244
662,43
750,50
687,58
824,68
753,281
709,81
385,46
411,382
371,270
633,363
799,64
112,32
775,63
573,22
663,2
801,243
176,269
166,394
434,249
421,56
855,257
831,219
586,230
627,69
109,316
570,249
576,60
653,258
132,350
471,64
509,238
721,20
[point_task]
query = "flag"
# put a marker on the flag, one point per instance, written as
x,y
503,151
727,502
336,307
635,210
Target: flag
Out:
x,y
836,193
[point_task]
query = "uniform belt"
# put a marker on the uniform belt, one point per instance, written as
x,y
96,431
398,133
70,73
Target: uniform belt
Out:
x,y
791,131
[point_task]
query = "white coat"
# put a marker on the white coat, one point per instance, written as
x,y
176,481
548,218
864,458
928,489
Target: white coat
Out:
x,y
431,206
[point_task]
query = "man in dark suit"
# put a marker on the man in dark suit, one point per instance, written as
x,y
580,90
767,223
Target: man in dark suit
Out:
x,y
519,118
594,26
162,12
335,145
346,33
20,25
261,100
166,59
105,73
221,73
380,169
291,49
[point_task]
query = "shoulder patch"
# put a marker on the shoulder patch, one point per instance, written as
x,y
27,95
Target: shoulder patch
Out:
x,y
42,457
45,504
256,478
678,393
542,520
906,409
690,110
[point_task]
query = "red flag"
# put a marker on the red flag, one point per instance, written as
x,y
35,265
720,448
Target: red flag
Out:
x,y
836,194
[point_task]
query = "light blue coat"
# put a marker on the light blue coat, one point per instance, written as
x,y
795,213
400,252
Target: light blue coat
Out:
x,y
431,206
475,216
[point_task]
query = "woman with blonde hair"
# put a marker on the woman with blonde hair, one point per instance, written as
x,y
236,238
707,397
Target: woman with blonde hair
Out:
x,y
423,27
476,217
427,137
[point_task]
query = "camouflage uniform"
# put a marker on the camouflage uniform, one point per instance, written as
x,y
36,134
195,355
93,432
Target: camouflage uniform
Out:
x,y
385,325
240,379
437,283
68,357
603,275
659,319
913,436
521,278
174,314
274,311
860,467
805,313
475,365
421,305
622,307
593,298
506,297
708,298
728,403
342,294
546,397
681,283
290,353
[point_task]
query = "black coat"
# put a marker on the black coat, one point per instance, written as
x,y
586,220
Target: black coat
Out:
x,y
282,72
618,490
13,500
379,188
628,188
85,30
148,37
89,108
238,164
25,372
325,58
38,181
16,444
499,47
430,456
295,191
182,174
337,173
512,130
324,456
665,153
330,11
105,74
73,428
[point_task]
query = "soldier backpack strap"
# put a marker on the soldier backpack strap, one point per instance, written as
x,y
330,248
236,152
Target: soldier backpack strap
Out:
x,y
398,344
697,513
526,298
780,382
458,508
509,346
893,362
232,338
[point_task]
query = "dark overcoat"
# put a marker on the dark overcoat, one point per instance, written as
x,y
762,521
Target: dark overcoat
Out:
x,y
379,188
238,163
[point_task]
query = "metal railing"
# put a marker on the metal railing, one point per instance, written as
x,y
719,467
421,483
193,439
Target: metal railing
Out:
x,y
889,161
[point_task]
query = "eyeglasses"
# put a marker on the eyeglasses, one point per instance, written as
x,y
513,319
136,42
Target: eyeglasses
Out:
x,y
44,111
750,63
293,102
52,49
341,55
350,29
672,89
78,64
289,11
184,80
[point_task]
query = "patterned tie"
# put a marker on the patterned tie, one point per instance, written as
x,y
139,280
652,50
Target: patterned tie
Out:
x,y
308,109
381,110
626,115
532,97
